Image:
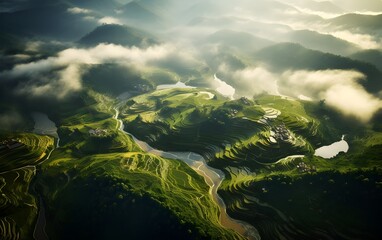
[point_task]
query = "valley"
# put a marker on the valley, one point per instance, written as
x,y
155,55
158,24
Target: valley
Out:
x,y
247,166
199,119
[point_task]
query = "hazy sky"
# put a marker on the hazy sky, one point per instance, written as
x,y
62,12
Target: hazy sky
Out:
x,y
185,33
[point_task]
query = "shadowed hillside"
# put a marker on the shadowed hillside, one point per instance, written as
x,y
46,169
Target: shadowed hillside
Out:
x,y
118,34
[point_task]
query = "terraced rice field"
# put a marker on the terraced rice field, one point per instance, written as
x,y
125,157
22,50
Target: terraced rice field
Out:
x,y
250,141
17,169
171,183
33,150
17,206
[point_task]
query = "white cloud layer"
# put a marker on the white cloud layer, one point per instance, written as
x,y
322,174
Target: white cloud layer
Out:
x,y
341,89
77,10
109,20
69,65
258,80
364,41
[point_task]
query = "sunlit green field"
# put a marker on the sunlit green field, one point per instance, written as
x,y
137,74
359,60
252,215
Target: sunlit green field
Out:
x,y
99,173
128,175
17,169
235,136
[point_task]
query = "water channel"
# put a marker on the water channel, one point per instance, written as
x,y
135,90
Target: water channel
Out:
x,y
45,126
213,177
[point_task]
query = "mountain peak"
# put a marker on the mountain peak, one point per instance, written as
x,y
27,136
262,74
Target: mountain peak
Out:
x,y
118,34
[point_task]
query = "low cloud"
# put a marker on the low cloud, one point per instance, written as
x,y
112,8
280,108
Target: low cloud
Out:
x,y
77,10
33,46
340,89
9,120
89,15
68,80
61,75
353,101
109,20
90,18
325,15
250,81
372,13
224,88
362,40
256,80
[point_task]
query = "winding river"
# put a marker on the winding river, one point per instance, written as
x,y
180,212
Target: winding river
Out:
x,y
213,177
45,126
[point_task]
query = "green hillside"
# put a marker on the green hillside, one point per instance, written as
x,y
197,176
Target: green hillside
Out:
x,y
194,120
236,137
118,34
107,177
322,42
369,56
286,56
19,156
47,20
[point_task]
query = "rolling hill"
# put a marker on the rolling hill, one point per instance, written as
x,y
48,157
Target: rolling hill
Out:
x,y
194,120
118,34
239,40
118,188
265,185
140,15
321,42
49,20
104,7
324,6
355,5
370,56
358,22
284,56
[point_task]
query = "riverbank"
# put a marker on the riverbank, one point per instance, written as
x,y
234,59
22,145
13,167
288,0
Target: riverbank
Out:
x,y
213,177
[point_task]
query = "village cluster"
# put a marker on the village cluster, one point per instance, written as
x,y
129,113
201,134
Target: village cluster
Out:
x,y
280,132
98,132
305,168
10,144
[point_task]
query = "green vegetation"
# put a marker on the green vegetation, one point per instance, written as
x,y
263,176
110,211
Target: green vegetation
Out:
x,y
372,56
33,149
264,146
322,196
191,120
19,156
122,181
224,131
122,77
17,206
111,171
310,206
121,188
236,137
